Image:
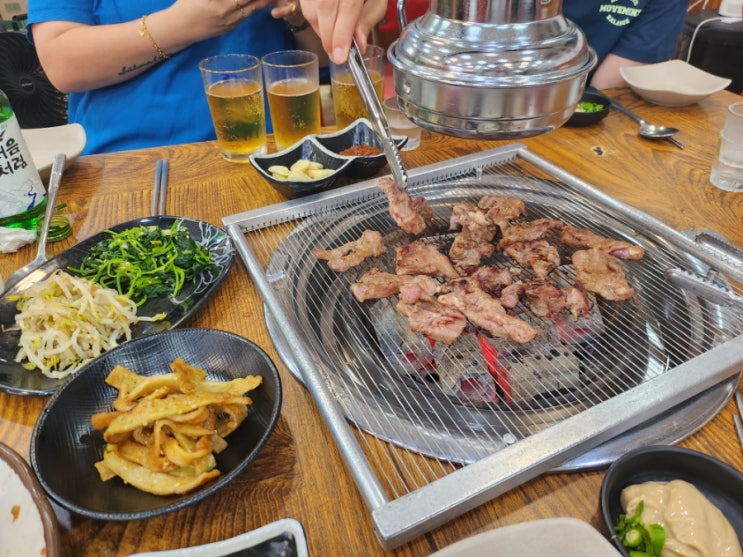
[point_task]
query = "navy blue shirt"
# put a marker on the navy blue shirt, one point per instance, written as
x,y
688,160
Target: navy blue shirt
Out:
x,y
641,30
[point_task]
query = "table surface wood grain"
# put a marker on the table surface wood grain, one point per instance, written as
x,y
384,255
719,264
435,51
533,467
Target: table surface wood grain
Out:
x,y
299,473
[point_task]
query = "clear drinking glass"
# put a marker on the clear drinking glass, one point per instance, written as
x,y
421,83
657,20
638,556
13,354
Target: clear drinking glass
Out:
x,y
347,102
234,91
727,168
401,124
292,79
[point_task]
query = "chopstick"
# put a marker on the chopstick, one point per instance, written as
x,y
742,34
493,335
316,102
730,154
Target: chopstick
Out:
x,y
161,184
738,418
676,142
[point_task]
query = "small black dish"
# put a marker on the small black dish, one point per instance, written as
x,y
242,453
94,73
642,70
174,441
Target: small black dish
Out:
x,y
307,149
359,132
65,447
580,118
720,483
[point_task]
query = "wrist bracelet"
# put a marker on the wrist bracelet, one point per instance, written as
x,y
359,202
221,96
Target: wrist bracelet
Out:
x,y
143,31
297,28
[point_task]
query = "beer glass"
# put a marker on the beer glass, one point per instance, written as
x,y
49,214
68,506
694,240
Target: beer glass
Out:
x,y
234,91
292,79
348,104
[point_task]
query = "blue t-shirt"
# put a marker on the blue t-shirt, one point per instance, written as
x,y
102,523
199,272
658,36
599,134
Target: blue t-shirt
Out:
x,y
166,104
616,26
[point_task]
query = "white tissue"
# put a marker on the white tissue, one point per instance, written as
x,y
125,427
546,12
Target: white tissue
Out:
x,y
13,238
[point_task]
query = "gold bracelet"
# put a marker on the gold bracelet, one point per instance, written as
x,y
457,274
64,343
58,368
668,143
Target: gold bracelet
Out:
x,y
143,31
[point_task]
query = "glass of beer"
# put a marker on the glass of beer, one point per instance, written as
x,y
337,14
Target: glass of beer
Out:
x,y
348,104
292,79
234,91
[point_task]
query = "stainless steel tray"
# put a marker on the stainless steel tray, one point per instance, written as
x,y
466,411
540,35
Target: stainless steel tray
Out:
x,y
682,346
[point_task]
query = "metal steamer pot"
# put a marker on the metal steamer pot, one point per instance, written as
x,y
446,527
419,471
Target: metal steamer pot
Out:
x,y
490,69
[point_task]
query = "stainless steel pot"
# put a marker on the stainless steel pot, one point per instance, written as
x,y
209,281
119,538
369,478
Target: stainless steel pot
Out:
x,y
490,69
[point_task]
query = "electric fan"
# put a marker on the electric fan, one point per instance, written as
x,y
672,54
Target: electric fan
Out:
x,y
36,102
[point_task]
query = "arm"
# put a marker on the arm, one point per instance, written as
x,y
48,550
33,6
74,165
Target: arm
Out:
x,y
607,74
79,57
337,21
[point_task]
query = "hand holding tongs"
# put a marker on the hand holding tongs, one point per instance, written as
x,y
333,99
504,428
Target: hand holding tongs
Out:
x,y
379,119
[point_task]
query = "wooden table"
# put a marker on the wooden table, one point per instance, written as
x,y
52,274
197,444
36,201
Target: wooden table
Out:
x,y
299,473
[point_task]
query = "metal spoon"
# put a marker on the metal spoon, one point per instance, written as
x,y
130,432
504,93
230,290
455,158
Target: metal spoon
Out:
x,y
646,128
51,196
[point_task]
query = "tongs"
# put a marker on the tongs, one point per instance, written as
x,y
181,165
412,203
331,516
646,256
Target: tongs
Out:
x,y
379,118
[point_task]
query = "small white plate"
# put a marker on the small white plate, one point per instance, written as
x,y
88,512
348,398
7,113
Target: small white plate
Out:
x,y
45,143
283,537
28,525
556,537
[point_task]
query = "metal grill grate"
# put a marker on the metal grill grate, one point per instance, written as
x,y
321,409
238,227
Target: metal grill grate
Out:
x,y
433,450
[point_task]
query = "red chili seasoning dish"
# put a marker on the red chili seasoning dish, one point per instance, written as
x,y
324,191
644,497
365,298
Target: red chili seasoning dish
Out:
x,y
361,151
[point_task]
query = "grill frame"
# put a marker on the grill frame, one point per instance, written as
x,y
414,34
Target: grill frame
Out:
x,y
400,518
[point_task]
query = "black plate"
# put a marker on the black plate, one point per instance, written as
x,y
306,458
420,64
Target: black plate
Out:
x,y
65,448
719,482
591,95
17,380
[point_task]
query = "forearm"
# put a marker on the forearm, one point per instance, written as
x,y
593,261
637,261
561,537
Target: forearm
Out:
x,y
78,57
607,74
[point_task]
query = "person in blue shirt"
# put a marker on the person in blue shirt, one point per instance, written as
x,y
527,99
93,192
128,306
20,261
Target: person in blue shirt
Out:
x,y
627,33
131,66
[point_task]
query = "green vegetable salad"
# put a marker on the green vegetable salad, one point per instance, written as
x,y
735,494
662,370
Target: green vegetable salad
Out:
x,y
145,262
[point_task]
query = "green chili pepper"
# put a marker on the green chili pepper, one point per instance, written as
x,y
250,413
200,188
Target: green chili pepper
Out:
x,y
639,539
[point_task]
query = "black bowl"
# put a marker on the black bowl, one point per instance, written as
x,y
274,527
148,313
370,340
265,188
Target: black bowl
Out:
x,y
359,132
719,482
65,447
307,149
591,95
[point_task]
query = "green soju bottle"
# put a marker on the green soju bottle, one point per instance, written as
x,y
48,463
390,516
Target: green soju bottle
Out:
x,y
22,193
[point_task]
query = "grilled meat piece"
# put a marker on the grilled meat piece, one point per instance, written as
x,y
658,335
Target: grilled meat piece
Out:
x,y
528,231
502,210
353,253
430,317
546,299
421,258
541,256
376,284
474,241
584,238
411,214
602,274
486,312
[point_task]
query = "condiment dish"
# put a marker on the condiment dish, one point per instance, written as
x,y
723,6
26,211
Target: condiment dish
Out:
x,y
672,83
720,483
359,133
327,149
308,149
594,98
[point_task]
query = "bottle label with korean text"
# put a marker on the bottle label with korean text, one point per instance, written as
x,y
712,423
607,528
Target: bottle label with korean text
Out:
x,y
21,188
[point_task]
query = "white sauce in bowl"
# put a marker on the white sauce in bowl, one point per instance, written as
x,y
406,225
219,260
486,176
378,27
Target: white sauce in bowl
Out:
x,y
694,526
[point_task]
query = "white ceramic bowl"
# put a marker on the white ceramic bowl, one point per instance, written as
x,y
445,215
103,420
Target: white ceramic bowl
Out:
x,y
672,83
